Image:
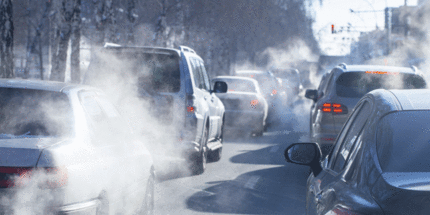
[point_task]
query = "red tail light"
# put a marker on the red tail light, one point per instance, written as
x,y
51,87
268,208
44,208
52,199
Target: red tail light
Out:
x,y
52,177
254,103
341,211
274,92
190,104
334,108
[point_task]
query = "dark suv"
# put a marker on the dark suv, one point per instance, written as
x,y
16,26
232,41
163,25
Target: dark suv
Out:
x,y
177,86
343,86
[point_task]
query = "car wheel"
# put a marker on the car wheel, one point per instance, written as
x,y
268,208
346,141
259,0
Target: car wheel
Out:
x,y
149,197
215,155
199,161
258,133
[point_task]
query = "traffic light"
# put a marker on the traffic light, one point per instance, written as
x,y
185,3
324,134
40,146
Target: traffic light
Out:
x,y
332,29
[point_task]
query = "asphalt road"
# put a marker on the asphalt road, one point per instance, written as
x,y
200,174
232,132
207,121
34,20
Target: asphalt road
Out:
x,y
252,177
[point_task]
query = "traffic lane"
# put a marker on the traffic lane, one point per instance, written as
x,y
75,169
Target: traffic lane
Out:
x,y
276,190
269,187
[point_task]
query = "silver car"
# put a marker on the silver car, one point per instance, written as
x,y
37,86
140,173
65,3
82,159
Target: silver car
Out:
x,y
177,86
64,149
340,90
245,106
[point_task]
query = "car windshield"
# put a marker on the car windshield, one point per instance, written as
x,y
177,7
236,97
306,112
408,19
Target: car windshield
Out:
x,y
30,113
403,142
357,84
240,85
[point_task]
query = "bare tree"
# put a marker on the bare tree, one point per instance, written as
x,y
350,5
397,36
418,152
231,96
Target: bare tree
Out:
x,y
6,31
65,23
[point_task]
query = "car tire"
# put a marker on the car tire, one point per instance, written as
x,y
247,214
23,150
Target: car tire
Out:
x,y
214,156
148,204
259,133
199,161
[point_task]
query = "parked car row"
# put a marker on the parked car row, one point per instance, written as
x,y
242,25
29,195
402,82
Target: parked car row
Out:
x,y
369,126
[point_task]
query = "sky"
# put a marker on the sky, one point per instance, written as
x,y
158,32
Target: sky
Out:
x,y
337,13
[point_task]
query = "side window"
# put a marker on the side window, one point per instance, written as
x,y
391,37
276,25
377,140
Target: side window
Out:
x,y
92,108
330,80
205,76
351,138
108,107
196,74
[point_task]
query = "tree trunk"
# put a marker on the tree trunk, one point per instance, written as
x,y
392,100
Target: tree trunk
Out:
x,y
131,5
6,31
64,30
76,39
100,20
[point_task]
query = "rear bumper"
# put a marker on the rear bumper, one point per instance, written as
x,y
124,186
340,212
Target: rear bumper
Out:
x,y
88,207
244,120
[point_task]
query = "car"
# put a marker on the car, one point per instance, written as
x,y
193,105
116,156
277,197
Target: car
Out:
x,y
65,150
270,89
291,83
245,107
379,164
340,90
177,86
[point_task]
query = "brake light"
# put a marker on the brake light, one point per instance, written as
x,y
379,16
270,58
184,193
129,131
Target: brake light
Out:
x,y
341,211
274,92
333,108
382,72
254,103
190,104
52,177
190,109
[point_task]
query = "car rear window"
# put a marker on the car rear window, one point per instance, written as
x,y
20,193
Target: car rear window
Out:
x,y
357,84
234,85
153,72
403,142
30,113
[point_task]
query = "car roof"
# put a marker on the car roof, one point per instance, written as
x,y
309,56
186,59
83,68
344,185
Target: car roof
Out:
x,y
37,84
250,72
236,78
413,99
146,49
364,68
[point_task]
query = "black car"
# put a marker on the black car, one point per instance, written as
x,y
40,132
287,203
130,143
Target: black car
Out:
x,y
380,163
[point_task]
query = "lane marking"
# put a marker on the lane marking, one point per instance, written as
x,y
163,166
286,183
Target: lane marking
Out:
x,y
251,182
274,149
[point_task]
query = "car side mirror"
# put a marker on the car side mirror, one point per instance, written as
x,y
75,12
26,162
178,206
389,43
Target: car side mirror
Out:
x,y
311,94
220,87
308,154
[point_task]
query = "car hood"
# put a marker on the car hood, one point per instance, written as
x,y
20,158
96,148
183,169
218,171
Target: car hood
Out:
x,y
23,152
403,193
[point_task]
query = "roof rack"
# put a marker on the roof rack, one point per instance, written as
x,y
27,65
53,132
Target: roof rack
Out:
x,y
343,65
111,45
186,49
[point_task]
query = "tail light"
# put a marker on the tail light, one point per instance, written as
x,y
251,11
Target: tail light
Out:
x,y
190,104
52,177
334,108
341,211
274,92
254,103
